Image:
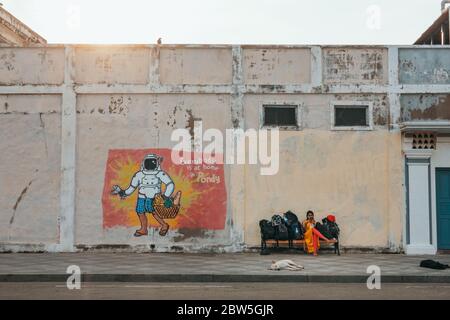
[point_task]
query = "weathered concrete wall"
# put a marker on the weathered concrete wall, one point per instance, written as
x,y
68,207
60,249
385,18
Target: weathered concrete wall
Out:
x,y
31,66
94,102
351,187
146,121
276,66
326,171
111,65
355,65
30,127
424,66
196,66
425,107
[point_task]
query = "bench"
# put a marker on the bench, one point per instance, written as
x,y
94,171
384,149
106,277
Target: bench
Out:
x,y
299,243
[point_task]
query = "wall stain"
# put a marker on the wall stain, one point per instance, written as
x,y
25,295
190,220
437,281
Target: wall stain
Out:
x,y
235,123
190,123
117,105
438,109
43,56
339,62
380,120
19,199
172,117
44,132
189,233
372,66
347,65
407,66
8,61
276,88
104,62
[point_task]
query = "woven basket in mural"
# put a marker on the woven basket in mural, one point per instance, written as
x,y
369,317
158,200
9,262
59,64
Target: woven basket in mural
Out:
x,y
167,213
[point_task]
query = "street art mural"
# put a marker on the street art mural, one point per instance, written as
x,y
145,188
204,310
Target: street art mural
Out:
x,y
145,189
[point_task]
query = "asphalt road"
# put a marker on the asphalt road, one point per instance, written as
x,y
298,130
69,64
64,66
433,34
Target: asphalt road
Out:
x,y
222,291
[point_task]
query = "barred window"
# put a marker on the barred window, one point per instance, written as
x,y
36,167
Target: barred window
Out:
x,y
347,115
280,116
351,116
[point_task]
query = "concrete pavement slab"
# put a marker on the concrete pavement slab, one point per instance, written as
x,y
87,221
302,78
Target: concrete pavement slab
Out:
x,y
244,267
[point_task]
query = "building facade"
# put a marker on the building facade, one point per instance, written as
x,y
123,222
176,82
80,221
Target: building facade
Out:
x,y
14,32
364,135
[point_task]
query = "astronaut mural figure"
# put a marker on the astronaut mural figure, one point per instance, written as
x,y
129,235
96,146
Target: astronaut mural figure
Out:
x,y
149,182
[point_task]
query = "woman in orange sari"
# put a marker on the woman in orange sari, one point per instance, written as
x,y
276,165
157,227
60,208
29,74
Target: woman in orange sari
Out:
x,y
311,235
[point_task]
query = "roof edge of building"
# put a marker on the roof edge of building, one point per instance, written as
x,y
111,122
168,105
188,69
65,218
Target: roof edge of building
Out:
x,y
28,35
435,26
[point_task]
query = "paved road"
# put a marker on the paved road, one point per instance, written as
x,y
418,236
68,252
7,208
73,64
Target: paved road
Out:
x,y
222,291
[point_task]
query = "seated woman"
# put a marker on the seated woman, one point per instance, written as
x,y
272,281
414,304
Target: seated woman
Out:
x,y
312,235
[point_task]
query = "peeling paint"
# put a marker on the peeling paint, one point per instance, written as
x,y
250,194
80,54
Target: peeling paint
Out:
x,y
172,121
355,66
276,66
425,107
424,66
118,106
380,120
190,123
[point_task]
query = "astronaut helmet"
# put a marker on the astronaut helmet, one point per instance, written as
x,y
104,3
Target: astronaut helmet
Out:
x,y
151,163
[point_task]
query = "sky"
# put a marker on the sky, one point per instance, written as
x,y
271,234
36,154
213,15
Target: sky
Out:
x,y
227,21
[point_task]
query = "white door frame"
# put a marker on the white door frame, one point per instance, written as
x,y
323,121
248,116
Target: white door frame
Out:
x,y
440,159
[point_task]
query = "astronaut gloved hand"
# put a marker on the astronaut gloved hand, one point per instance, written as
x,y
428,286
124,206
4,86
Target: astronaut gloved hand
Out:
x,y
117,190
122,194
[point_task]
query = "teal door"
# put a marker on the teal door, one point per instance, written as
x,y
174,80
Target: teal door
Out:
x,y
443,207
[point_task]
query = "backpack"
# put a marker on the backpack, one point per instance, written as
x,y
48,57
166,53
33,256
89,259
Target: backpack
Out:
x,y
290,218
332,228
295,229
276,220
433,265
281,229
323,230
267,230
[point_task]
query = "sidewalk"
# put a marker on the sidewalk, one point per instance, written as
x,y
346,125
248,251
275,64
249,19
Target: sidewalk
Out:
x,y
245,267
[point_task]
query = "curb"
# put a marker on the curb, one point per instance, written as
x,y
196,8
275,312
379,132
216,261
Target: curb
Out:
x,y
171,278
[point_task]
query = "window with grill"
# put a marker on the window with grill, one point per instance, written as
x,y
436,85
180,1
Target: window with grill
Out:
x,y
280,116
351,116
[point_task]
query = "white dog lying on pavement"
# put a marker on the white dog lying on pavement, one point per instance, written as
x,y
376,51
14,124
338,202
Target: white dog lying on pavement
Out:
x,y
285,265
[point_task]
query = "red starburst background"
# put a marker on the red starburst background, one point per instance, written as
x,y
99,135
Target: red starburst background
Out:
x,y
203,200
